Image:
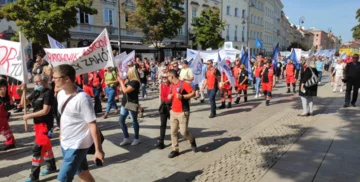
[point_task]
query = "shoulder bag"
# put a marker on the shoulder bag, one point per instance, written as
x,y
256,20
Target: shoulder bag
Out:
x,y
313,80
131,106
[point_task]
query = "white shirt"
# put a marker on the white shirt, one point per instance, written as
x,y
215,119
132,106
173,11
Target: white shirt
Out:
x,y
339,70
79,111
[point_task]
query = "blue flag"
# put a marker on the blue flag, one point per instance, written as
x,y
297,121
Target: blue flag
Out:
x,y
258,43
248,66
244,56
253,55
275,56
296,62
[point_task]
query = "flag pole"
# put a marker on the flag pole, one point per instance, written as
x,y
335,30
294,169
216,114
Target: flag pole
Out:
x,y
25,107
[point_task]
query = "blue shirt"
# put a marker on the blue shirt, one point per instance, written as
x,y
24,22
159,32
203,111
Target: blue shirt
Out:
x,y
319,65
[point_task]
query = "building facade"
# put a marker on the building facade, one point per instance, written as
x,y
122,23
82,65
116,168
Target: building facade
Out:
x,y
278,6
269,26
195,7
234,14
256,24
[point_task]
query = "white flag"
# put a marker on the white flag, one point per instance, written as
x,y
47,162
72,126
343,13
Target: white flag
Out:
x,y
191,54
196,66
86,59
24,44
11,62
223,67
123,67
54,43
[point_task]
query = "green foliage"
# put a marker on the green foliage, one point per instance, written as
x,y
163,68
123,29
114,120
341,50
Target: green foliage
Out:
x,y
356,29
157,19
208,28
298,45
37,18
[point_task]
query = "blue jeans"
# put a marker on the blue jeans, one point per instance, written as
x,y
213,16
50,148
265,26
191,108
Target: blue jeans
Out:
x,y
110,92
143,89
133,115
212,94
320,75
257,85
73,164
97,103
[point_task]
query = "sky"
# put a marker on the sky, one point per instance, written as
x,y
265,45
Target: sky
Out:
x,y
339,15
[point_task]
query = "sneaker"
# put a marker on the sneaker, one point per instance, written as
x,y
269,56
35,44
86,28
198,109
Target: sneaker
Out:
x,y
319,83
193,146
353,105
212,116
346,105
334,90
256,96
135,142
46,172
173,154
31,180
145,96
8,147
125,142
260,95
341,90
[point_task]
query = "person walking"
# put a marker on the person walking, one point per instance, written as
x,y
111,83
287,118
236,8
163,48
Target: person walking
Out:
x,y
110,80
242,83
290,75
226,89
143,74
307,94
268,81
164,109
130,105
97,87
319,67
257,73
180,94
153,74
211,82
351,78
338,71
5,106
41,100
79,129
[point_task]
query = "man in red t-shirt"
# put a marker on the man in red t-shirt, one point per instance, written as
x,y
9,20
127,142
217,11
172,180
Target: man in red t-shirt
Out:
x,y
180,94
290,75
211,82
268,80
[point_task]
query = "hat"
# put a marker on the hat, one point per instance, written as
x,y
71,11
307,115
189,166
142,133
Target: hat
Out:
x,y
185,62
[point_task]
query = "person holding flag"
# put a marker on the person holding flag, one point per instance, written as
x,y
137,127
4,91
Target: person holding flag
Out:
x,y
226,89
211,82
236,70
290,75
268,80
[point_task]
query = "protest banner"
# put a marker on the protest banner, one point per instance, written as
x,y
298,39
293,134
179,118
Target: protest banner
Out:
x,y
196,66
209,55
191,54
87,59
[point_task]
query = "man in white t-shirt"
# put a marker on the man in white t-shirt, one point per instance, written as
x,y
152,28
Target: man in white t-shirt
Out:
x,y
78,128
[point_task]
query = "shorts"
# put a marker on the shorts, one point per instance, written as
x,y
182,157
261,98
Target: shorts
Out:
x,y
74,162
242,87
290,79
267,87
196,87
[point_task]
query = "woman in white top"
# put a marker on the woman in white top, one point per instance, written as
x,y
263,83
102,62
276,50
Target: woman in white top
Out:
x,y
338,72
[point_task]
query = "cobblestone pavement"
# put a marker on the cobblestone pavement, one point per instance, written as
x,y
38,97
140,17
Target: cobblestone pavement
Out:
x,y
240,144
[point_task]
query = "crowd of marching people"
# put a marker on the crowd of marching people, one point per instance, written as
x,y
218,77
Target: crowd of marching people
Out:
x,y
74,101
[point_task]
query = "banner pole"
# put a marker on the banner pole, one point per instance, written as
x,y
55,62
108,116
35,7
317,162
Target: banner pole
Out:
x,y
25,107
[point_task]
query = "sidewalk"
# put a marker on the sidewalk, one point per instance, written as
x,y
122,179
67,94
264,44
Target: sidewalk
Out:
x,y
328,151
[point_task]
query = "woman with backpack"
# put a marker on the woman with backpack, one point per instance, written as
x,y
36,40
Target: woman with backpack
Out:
x,y
110,77
308,88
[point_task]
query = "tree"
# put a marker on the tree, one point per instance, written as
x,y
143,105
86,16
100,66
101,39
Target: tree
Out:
x,y
298,45
208,28
37,18
356,29
157,19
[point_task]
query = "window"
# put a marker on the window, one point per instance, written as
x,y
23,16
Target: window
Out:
x,y
181,31
235,36
228,10
258,21
108,15
243,13
236,12
243,34
193,15
228,32
84,18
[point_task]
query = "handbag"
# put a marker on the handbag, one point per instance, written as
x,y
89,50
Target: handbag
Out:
x,y
102,138
131,106
313,80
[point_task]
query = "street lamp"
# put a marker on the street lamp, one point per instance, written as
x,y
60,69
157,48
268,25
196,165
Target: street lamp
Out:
x,y
119,26
301,21
251,4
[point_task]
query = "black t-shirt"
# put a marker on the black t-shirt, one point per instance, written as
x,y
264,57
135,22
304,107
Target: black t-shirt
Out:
x,y
242,75
143,76
5,101
266,75
38,99
133,96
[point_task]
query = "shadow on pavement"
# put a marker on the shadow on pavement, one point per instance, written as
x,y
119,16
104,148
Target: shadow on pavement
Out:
x,y
181,177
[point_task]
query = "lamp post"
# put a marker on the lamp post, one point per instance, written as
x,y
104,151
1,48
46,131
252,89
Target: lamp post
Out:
x,y
248,25
119,26
301,21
